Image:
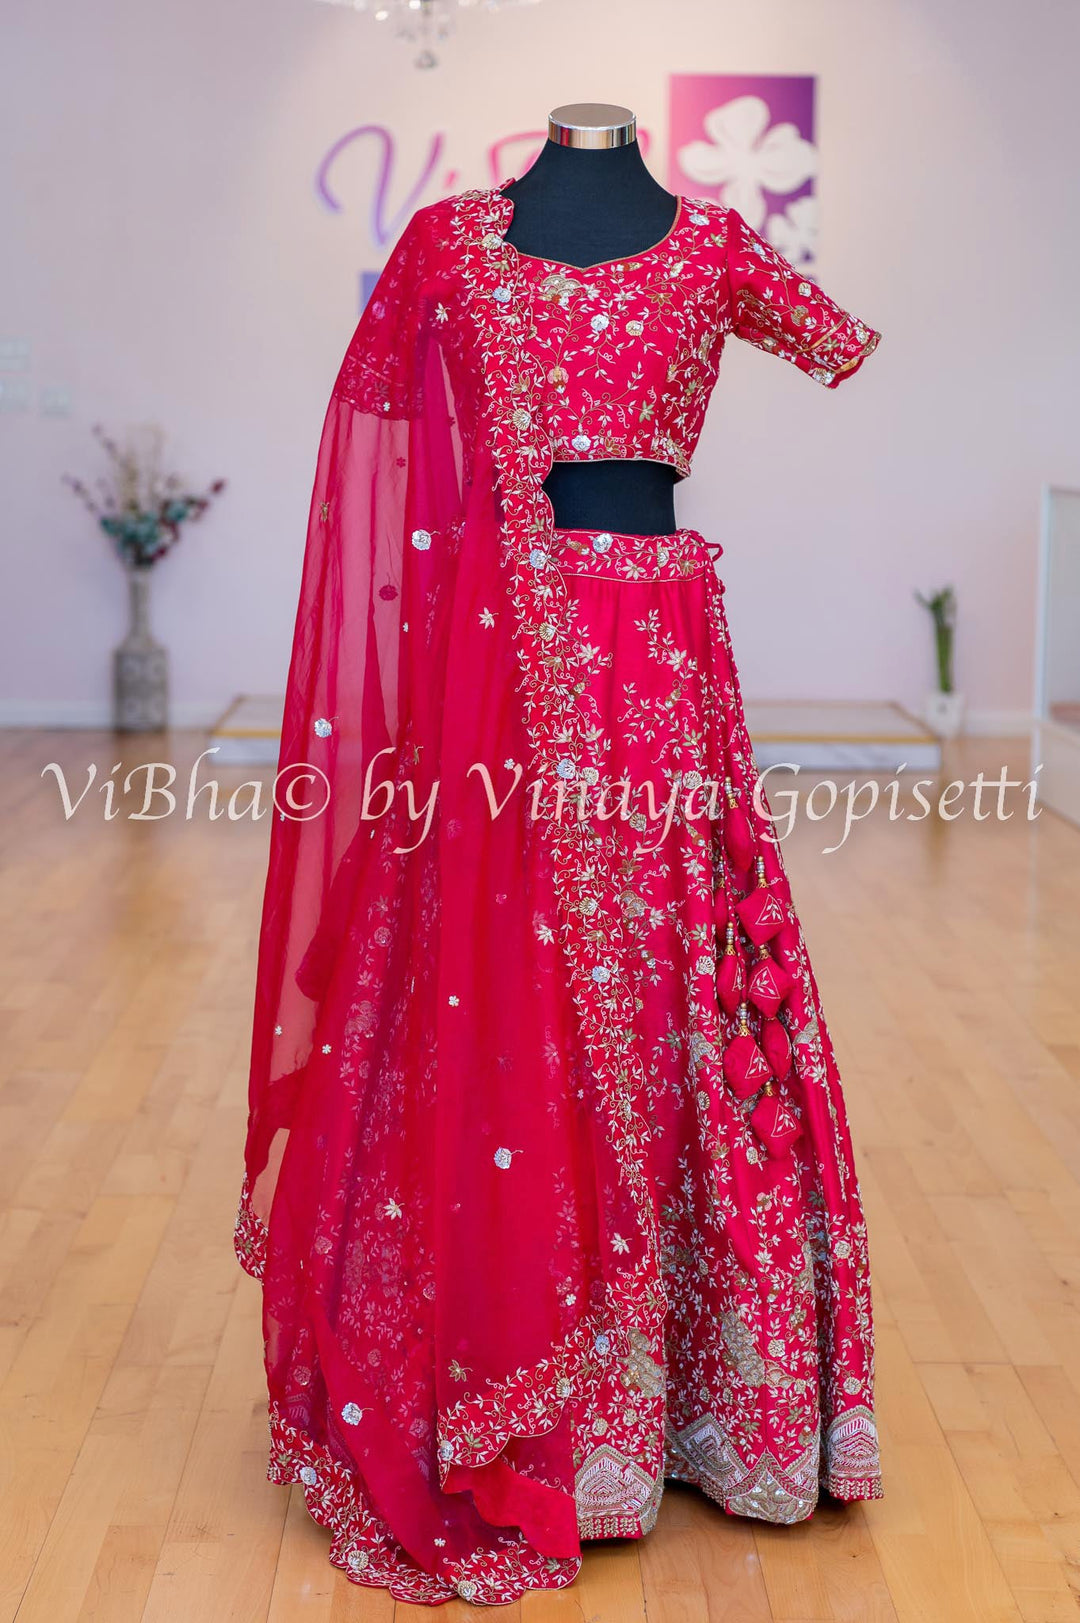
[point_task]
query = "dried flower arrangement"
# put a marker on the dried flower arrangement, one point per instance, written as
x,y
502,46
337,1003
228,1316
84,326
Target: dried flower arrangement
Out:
x,y
141,509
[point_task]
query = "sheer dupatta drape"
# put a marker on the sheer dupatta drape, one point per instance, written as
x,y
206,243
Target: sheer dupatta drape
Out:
x,y
435,1200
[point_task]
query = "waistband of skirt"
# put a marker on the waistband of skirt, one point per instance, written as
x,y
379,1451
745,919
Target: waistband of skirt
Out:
x,y
616,555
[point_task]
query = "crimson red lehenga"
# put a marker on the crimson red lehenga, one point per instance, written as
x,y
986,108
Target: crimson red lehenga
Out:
x,y
548,1176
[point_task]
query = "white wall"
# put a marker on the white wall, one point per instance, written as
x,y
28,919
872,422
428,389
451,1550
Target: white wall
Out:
x,y
165,255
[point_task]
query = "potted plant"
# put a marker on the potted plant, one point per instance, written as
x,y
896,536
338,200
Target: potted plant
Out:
x,y
944,710
143,512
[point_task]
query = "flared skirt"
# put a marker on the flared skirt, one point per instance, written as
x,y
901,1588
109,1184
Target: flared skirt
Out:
x,y
758,1386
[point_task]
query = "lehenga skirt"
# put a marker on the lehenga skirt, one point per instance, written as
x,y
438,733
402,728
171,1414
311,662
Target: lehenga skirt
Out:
x,y
760,1390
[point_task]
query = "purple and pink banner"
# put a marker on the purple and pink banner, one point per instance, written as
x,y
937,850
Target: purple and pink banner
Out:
x,y
747,140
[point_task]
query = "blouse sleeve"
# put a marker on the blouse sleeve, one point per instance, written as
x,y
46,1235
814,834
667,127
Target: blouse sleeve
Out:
x,y
773,306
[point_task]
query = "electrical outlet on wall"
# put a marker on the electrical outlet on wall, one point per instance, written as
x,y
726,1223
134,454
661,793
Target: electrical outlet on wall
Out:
x,y
14,354
14,394
55,400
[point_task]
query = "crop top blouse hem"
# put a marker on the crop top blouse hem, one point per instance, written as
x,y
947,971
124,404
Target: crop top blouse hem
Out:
x,y
624,353
630,348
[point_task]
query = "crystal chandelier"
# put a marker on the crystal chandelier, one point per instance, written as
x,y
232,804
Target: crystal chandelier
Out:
x,y
425,22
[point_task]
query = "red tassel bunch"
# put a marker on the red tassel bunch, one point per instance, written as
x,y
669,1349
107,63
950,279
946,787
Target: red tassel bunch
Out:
x,y
755,1065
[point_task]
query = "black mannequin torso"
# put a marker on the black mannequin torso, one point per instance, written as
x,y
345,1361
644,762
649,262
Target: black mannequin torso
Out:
x,y
581,207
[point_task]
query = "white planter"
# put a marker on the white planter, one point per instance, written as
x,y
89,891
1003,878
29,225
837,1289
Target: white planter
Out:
x,y
944,713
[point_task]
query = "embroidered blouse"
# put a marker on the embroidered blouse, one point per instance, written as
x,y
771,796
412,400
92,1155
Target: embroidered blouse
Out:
x,y
630,348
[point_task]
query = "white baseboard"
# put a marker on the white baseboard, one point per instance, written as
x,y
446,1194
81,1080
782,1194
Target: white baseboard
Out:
x,y
97,714
999,723
94,714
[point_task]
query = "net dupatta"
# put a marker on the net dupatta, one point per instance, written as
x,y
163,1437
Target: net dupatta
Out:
x,y
445,1194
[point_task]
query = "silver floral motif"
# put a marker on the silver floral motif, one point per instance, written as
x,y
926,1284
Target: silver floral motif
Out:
x,y
466,1589
602,1343
603,542
308,1475
601,974
352,1414
503,1158
565,769
522,417
501,295
700,219
599,322
537,558
358,1560
635,328
446,1449
581,442
323,728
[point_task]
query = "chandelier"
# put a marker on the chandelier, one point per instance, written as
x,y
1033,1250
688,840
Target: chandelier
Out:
x,y
424,22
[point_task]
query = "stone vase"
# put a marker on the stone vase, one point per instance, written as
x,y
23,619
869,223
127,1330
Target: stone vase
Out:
x,y
140,666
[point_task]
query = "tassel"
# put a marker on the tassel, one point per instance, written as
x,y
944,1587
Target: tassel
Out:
x,y
745,1066
761,914
774,1123
776,1046
770,984
731,981
738,840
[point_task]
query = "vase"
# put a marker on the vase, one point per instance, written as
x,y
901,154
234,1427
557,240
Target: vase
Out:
x,y
140,666
944,713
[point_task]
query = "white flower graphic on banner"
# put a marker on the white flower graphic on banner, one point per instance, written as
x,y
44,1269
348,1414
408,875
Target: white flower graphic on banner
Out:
x,y
747,157
794,233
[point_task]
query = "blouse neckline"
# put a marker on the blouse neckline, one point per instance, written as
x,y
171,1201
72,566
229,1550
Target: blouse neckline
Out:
x,y
506,202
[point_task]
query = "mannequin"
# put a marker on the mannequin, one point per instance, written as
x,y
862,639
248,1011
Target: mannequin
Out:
x,y
589,198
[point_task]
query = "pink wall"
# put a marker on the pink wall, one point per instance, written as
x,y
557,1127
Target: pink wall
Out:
x,y
167,260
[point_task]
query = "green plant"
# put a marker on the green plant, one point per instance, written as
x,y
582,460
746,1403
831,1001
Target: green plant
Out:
x,y
942,607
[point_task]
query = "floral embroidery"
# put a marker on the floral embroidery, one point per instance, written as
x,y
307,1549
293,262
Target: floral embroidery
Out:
x,y
638,387
679,1363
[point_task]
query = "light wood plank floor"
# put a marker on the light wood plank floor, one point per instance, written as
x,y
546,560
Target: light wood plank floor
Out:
x,y
131,1397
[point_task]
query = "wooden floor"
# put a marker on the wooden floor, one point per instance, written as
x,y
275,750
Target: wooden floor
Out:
x,y
133,1433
